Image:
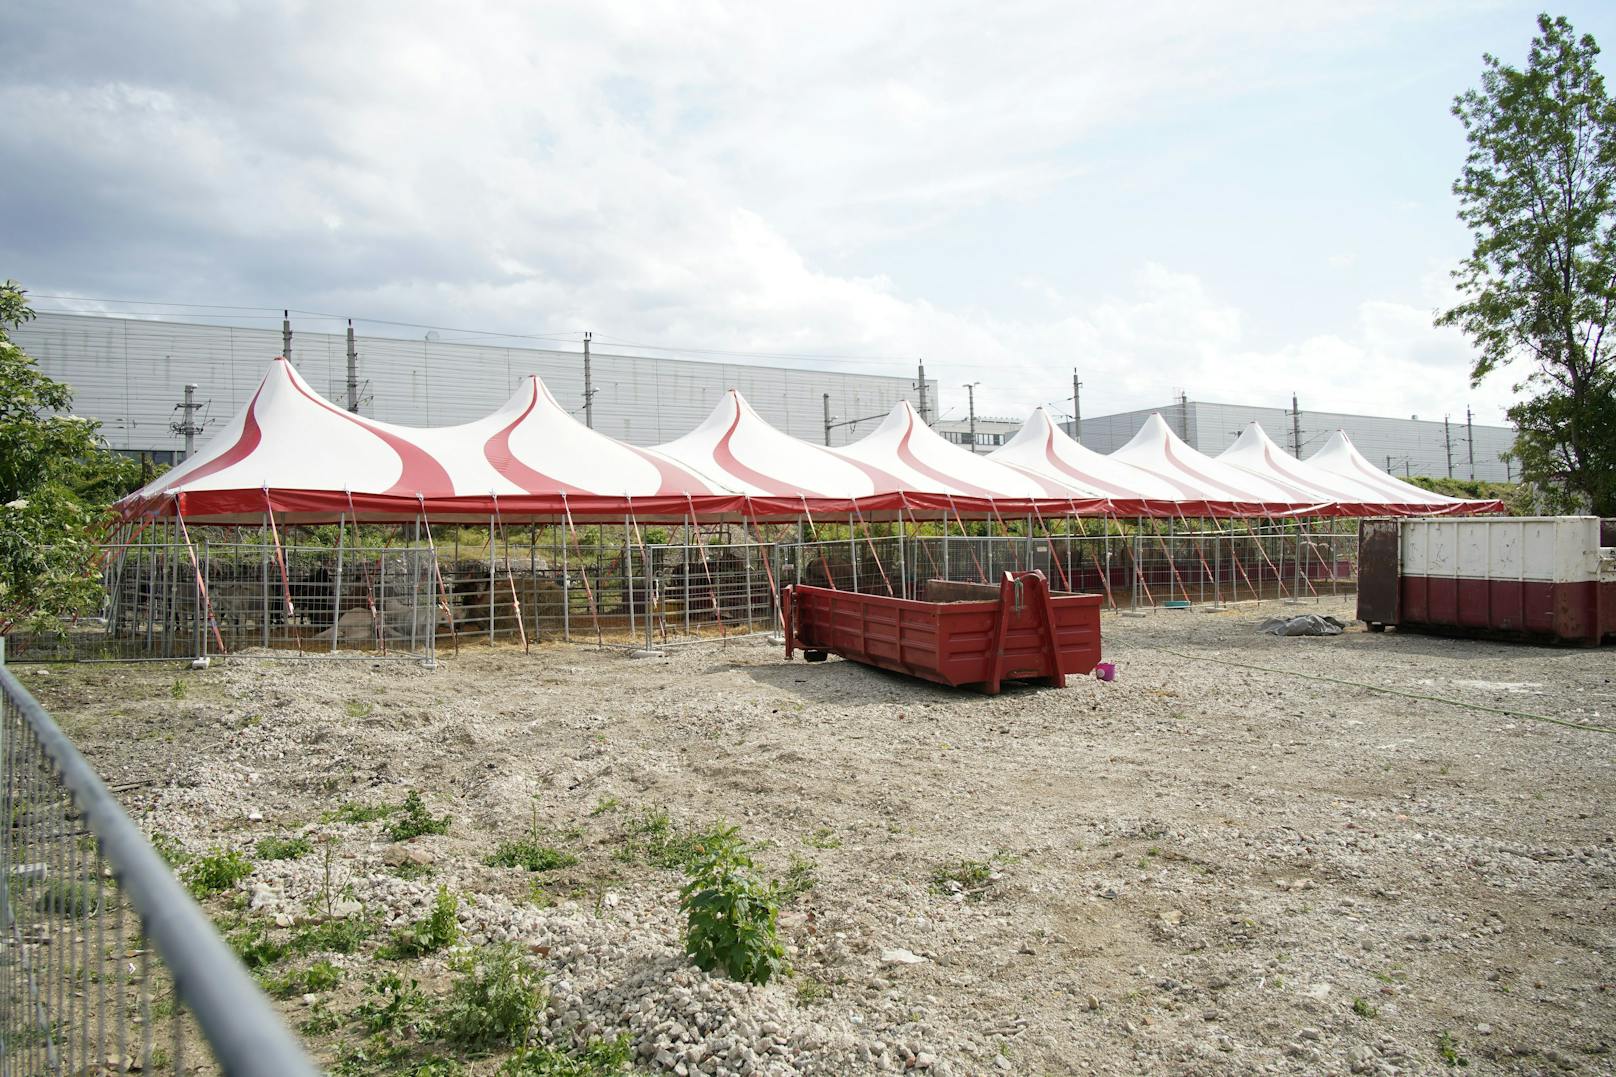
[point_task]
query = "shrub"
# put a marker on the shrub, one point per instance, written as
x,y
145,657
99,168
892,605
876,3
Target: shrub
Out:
x,y
530,852
494,1002
355,812
731,914
332,937
255,947
438,930
598,1058
650,835
169,848
391,1004
283,848
415,820
217,871
320,976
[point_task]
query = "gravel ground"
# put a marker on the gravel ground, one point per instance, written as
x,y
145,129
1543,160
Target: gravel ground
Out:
x,y
1202,867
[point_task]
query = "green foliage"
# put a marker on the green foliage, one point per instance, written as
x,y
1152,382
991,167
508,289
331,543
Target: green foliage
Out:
x,y
969,877
66,899
318,977
439,929
530,852
391,1004
651,836
56,478
1447,1049
1538,192
177,689
731,914
801,877
169,848
283,848
414,820
1362,1008
494,1001
332,937
1517,498
823,838
255,946
217,871
598,1058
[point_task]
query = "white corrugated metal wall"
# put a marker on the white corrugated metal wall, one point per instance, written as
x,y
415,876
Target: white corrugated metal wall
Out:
x,y
130,373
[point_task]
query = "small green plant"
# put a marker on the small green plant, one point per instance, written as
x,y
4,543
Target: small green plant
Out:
x,y
256,948
823,838
607,804
66,899
800,878
332,937
318,977
414,820
216,871
494,1001
355,812
731,915
598,1058
650,836
1447,1048
321,1021
391,1004
811,992
969,877
530,852
409,869
177,689
1362,1008
439,929
169,848
283,848
358,709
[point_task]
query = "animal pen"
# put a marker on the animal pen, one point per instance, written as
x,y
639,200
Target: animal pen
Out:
x,y
300,528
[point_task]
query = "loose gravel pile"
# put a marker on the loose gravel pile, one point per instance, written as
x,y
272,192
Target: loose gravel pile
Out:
x,y
1235,858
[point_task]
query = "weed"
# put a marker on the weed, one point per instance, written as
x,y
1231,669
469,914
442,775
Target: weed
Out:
x,y
411,870
414,820
177,689
800,878
731,915
530,852
283,848
1154,850
1448,1049
331,937
607,804
355,812
438,930
823,838
539,896
811,991
598,1058
1362,1008
651,836
320,976
217,871
169,848
67,899
494,1001
969,877
255,947
321,1021
360,710
391,1004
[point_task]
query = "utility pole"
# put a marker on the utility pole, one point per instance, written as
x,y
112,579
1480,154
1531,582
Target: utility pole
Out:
x,y
1447,442
1509,472
286,335
1184,415
925,411
1470,442
353,372
187,426
589,386
970,394
1296,428
1077,407
827,418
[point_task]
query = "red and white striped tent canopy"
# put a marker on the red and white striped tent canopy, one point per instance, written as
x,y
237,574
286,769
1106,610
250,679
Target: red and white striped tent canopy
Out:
x,y
291,452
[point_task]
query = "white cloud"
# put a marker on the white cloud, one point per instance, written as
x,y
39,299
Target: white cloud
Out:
x,y
678,174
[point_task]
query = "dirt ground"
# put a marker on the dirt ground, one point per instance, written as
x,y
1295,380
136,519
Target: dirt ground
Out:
x,y
1201,867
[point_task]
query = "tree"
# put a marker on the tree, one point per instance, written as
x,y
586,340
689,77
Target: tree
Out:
x,y
57,477
1538,191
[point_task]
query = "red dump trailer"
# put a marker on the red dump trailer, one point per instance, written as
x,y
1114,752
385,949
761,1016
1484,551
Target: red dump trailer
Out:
x,y
957,634
1529,577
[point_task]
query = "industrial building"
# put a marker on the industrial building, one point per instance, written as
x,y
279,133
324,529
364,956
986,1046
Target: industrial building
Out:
x,y
990,432
131,374
1405,447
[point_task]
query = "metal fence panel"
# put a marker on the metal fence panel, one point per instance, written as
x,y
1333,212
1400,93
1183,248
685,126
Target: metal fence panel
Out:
x,y
106,964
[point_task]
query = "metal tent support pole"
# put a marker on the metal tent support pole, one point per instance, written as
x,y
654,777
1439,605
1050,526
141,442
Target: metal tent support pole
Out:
x,y
566,594
852,550
628,577
336,586
684,559
533,574
493,556
903,565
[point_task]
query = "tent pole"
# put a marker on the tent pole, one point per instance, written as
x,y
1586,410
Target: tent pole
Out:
x,y
852,550
566,593
684,561
336,584
589,591
516,602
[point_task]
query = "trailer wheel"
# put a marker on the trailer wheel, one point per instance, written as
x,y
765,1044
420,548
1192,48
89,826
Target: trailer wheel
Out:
x,y
1376,626
815,656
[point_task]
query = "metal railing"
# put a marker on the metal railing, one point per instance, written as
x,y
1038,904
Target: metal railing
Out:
x,y
106,964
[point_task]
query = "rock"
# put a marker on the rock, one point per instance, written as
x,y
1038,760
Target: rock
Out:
x,y
924,1060
900,956
1307,1034
406,853
1485,1029
1093,1002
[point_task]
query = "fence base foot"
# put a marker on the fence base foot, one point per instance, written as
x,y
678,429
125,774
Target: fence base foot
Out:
x,y
646,652
1135,613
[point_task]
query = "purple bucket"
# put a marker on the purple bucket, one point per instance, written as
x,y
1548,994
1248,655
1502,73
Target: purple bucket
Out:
x,y
1106,671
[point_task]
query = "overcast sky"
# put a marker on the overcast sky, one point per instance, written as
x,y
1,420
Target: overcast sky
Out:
x,y
1237,200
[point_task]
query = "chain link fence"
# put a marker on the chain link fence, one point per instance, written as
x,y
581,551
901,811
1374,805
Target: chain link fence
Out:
x,y
106,964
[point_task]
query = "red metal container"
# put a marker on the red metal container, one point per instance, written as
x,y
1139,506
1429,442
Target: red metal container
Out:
x,y
1544,577
962,634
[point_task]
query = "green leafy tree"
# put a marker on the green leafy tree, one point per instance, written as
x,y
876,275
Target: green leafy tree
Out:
x,y
1538,191
56,478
